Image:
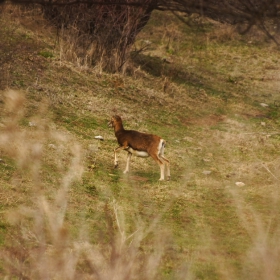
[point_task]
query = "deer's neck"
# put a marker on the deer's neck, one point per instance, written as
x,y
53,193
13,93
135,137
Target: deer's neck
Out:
x,y
118,128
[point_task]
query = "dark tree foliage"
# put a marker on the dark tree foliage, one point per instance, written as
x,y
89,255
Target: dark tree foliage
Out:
x,y
106,29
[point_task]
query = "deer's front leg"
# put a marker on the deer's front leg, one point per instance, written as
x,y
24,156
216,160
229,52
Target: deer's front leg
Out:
x,y
116,159
115,151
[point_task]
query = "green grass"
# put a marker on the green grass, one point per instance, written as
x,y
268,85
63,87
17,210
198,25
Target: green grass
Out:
x,y
46,54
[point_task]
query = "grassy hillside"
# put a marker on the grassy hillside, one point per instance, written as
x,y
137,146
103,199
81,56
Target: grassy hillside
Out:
x,y
66,213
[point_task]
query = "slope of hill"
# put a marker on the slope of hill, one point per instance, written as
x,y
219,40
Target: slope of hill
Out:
x,y
67,213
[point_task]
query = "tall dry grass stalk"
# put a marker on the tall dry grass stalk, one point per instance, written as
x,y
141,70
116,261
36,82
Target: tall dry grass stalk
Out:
x,y
39,242
261,261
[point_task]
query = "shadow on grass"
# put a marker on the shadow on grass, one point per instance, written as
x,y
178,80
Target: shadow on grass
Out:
x,y
158,67
179,74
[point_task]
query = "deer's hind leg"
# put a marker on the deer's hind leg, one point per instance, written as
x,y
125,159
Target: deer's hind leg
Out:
x,y
161,164
164,159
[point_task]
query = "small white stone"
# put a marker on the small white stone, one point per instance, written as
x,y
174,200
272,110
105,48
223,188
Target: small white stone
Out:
x,y
239,184
263,104
207,172
99,137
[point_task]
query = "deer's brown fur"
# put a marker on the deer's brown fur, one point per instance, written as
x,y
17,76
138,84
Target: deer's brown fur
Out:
x,y
140,144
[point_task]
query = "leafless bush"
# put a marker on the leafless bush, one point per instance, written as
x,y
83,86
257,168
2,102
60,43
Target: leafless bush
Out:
x,y
99,34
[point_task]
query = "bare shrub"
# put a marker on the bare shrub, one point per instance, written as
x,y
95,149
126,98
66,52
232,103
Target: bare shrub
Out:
x,y
99,34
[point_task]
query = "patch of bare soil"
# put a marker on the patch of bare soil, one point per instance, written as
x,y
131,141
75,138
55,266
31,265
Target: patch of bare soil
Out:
x,y
210,120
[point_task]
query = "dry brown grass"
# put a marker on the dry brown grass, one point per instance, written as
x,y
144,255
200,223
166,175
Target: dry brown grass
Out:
x,y
63,199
